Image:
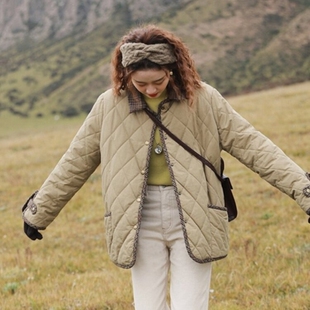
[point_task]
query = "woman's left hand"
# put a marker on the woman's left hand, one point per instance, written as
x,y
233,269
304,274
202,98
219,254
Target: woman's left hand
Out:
x,y
32,233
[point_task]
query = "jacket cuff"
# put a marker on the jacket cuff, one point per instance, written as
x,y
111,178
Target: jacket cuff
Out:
x,y
30,208
31,225
306,191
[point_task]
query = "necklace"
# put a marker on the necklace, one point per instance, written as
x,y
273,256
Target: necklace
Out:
x,y
158,148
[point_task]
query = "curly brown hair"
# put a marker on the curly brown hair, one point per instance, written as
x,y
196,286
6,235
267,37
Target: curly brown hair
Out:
x,y
185,79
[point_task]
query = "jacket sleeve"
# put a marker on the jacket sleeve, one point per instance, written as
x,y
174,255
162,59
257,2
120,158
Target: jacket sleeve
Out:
x,y
72,171
239,138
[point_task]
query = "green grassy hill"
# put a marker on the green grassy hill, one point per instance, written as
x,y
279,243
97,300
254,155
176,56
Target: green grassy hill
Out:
x,y
237,46
268,265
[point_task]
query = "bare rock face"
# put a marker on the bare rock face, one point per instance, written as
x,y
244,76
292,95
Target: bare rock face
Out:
x,y
37,20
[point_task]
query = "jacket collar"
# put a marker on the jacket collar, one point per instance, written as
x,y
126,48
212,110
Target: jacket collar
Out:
x,y
137,102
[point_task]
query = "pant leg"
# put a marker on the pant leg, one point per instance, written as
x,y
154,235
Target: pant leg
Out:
x,y
190,281
161,245
150,272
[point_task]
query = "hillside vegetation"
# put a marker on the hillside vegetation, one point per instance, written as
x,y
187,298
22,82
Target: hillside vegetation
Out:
x,y
238,46
268,265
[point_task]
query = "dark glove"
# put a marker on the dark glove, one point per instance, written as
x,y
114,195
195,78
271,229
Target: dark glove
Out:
x,y
30,231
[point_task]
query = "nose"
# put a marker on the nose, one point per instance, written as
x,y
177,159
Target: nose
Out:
x,y
151,90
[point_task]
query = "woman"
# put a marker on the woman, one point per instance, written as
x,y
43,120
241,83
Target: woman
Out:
x,y
164,210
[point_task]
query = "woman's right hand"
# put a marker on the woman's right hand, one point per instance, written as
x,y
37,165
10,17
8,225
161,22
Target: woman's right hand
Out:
x,y
30,231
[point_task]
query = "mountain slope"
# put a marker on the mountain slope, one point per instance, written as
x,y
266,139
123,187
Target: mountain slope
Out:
x,y
248,45
237,47
33,21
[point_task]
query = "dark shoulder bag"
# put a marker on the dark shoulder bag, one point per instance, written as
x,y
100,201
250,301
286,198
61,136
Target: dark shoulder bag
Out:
x,y
230,203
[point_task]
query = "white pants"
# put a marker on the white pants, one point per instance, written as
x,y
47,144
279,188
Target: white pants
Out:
x,y
161,248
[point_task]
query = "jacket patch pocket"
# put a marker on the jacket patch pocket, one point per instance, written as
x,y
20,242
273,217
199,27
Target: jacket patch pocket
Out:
x,y
218,208
219,230
222,211
108,229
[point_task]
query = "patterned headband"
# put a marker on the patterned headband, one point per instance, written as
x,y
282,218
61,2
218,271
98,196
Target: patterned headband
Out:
x,y
160,54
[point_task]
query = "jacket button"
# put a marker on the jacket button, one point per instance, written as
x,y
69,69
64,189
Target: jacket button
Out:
x,y
135,227
139,199
147,142
33,208
164,107
307,191
142,171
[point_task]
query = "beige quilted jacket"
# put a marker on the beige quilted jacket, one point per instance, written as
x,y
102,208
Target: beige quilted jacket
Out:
x,y
121,141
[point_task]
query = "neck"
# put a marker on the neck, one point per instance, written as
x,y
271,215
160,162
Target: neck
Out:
x,y
162,96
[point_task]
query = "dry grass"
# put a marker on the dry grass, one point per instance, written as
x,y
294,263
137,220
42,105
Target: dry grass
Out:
x,y
268,266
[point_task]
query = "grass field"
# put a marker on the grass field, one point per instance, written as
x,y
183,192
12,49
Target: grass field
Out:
x,y
269,262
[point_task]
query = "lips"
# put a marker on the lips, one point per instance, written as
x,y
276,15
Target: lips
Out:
x,y
152,95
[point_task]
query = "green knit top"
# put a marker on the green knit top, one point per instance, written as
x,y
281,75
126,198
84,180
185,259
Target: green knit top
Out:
x,y
158,169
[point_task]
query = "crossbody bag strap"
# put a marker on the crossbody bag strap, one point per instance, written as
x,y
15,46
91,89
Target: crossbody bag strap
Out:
x,y
184,145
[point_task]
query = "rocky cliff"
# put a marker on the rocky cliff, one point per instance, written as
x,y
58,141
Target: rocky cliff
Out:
x,y
55,53
37,20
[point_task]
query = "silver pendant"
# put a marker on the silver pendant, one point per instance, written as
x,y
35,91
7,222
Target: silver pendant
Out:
x,y
158,149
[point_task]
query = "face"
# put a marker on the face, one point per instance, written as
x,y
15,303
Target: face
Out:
x,y
150,82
